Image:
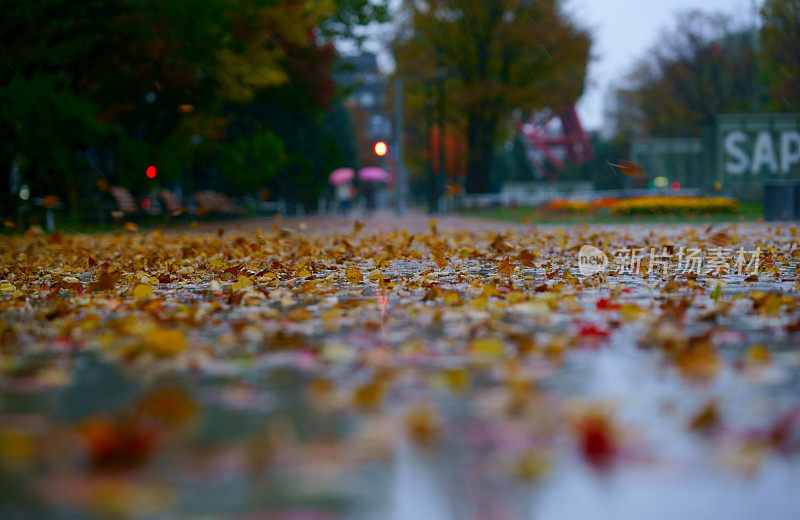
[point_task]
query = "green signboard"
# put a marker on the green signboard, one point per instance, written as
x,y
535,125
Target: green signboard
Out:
x,y
675,160
752,148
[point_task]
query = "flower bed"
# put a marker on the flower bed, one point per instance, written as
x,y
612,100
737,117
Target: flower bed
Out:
x,y
654,204
676,205
569,206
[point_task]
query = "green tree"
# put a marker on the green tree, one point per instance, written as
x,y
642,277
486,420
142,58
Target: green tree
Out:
x,y
252,162
496,56
162,81
780,53
135,62
315,140
43,124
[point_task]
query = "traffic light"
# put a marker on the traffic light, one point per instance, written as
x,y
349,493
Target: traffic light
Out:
x,y
381,148
151,172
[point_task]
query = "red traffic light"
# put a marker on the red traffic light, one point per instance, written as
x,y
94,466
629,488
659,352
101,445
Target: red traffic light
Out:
x,y
150,172
381,148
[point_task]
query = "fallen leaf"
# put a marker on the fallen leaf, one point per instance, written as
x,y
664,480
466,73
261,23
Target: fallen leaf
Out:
x,y
142,291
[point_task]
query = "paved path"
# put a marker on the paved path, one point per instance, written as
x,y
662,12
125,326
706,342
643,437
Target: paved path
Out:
x,y
385,368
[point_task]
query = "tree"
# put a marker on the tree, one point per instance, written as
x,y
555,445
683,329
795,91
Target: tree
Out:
x,y
780,53
495,56
350,19
513,163
702,67
253,161
133,62
162,82
43,124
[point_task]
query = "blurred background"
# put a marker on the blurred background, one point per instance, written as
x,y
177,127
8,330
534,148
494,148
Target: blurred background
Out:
x,y
175,109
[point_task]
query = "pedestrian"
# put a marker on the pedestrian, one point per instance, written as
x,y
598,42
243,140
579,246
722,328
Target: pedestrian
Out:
x,y
369,195
344,195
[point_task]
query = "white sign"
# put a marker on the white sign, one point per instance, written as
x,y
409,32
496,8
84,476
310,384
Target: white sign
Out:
x,y
762,152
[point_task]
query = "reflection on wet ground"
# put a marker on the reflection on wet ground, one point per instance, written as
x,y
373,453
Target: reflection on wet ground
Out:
x,y
408,370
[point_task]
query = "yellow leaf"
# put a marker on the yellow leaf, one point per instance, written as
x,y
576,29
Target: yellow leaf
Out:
x,y
630,311
354,276
452,298
165,342
142,291
479,302
331,314
699,363
299,314
17,449
513,297
533,465
758,354
487,348
439,259
457,379
370,396
489,291
534,307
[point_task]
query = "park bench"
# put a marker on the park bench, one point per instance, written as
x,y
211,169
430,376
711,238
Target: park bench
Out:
x,y
213,203
125,204
172,205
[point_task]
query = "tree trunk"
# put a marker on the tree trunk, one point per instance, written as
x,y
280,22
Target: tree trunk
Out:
x,y
480,153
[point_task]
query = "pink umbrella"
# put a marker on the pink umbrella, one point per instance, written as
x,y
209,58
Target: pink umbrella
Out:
x,y
373,174
341,175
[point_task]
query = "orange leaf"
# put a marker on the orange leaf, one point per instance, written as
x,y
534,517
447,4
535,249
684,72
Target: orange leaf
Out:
x,y
506,267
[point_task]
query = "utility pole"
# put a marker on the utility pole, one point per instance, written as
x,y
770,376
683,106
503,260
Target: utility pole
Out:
x,y
401,182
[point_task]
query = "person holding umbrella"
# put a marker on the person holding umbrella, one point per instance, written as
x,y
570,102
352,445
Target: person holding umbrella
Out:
x,y
341,179
372,178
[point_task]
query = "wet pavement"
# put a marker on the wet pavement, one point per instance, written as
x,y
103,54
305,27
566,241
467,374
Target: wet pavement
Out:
x,y
404,369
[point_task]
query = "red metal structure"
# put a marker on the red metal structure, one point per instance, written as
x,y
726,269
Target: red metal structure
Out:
x,y
572,139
